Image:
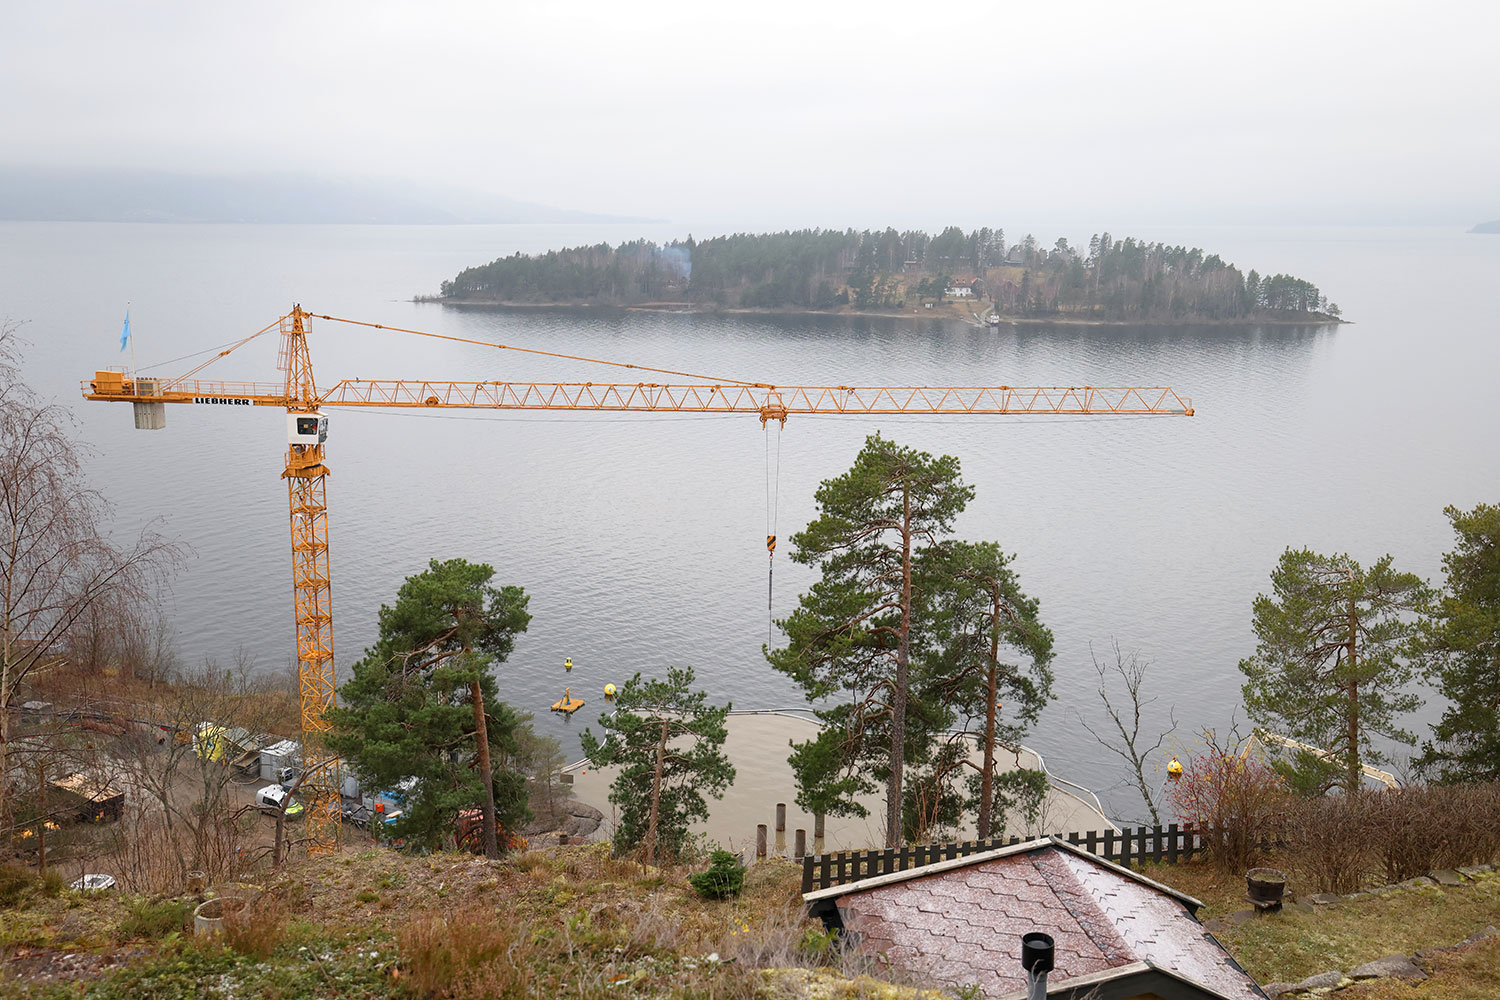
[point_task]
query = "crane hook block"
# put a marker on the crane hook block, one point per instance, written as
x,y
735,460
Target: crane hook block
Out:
x,y
771,544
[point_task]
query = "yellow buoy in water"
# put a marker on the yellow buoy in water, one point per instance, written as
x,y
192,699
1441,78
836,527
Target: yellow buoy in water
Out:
x,y
568,663
1174,769
568,703
609,690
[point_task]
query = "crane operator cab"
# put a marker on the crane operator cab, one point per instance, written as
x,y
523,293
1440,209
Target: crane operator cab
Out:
x,y
306,428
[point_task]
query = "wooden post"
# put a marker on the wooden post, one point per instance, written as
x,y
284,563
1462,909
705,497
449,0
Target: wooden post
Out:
x,y
781,817
562,840
799,845
760,840
1173,839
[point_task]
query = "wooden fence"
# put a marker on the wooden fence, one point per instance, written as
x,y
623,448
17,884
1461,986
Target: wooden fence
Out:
x,y
1170,844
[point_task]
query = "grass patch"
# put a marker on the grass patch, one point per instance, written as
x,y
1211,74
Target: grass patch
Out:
x,y
1471,974
154,920
1294,945
1219,891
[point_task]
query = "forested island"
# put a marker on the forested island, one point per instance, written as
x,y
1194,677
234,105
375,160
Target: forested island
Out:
x,y
1125,281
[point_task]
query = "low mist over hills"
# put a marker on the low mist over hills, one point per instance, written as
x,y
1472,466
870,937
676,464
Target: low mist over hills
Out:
x,y
94,195
1487,227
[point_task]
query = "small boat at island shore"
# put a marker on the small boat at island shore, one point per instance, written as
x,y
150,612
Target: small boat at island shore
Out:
x,y
757,747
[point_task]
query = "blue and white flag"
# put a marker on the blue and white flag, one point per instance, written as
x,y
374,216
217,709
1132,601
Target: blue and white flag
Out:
x,y
125,333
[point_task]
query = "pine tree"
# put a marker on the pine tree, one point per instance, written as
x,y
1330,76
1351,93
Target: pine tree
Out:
x,y
1331,666
866,621
988,622
668,742
1461,650
411,710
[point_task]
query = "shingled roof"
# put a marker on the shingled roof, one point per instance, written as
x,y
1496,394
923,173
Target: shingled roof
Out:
x,y
960,922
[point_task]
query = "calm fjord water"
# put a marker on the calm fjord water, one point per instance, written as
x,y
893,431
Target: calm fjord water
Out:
x,y
640,537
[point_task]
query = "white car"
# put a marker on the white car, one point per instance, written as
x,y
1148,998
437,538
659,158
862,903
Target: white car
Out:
x,y
270,799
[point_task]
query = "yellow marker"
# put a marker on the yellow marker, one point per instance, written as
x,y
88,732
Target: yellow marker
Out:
x,y
609,690
568,663
1174,769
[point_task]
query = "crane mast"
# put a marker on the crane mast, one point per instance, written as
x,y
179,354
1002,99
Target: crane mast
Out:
x,y
307,498
306,473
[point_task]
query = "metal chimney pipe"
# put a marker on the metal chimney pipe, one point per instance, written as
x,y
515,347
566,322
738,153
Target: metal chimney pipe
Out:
x,y
1036,959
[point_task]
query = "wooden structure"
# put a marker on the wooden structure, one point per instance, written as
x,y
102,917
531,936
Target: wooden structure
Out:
x,y
1170,844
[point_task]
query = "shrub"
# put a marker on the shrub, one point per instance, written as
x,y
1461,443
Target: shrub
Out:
x,y
15,882
1237,803
725,877
1418,830
154,920
255,930
472,954
1330,842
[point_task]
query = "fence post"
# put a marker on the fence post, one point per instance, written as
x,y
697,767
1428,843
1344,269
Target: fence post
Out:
x,y
807,874
1156,850
1109,846
760,840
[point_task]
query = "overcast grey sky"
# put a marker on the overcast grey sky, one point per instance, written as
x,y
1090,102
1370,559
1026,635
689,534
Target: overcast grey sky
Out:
x,y
791,114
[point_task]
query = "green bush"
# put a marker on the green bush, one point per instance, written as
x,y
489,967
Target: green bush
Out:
x,y
725,877
154,920
14,884
819,945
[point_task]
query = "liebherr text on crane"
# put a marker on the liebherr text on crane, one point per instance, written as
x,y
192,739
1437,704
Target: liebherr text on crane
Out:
x,y
307,432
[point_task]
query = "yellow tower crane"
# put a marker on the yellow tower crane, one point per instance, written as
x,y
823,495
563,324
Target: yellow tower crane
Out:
x,y
306,474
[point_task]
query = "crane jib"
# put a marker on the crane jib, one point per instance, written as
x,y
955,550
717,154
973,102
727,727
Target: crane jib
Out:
x,y
217,401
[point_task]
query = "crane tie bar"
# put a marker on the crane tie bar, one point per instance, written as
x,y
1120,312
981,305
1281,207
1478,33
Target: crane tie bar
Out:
x,y
532,350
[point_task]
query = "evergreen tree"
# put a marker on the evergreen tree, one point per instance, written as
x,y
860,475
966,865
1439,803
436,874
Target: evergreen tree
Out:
x,y
866,621
1330,668
988,622
1461,649
410,710
668,742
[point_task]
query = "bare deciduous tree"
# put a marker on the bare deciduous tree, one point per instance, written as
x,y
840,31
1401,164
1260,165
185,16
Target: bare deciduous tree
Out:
x,y
1127,741
57,561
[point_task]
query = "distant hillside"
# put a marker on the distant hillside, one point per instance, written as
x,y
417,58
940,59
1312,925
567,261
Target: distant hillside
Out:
x,y
83,195
1487,227
1111,280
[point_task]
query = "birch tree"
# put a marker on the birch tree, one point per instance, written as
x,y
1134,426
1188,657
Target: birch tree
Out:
x,y
58,561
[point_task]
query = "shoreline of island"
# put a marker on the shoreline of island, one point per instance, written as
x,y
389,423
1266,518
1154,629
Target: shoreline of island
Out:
x,y
1306,319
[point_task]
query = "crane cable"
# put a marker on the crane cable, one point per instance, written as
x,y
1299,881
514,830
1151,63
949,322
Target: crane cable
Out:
x,y
547,354
773,497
